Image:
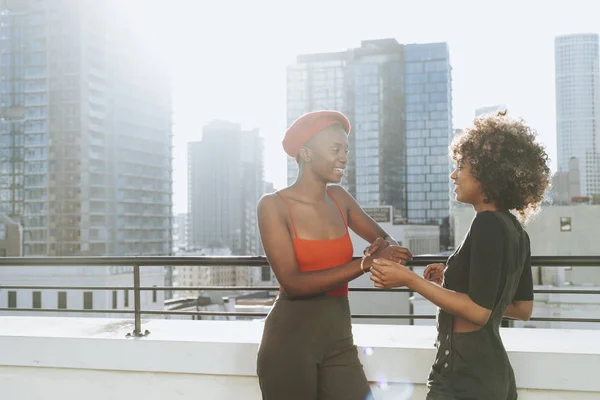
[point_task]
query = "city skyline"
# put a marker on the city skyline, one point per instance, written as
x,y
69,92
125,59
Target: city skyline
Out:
x,y
513,67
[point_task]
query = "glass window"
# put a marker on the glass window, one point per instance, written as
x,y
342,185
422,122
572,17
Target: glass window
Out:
x,y
438,97
88,300
12,299
438,77
415,107
416,196
418,142
565,224
62,300
418,97
414,67
115,299
434,66
418,169
438,150
416,88
415,125
416,179
418,151
37,300
265,273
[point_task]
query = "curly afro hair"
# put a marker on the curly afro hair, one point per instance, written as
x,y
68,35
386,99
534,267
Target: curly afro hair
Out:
x,y
510,166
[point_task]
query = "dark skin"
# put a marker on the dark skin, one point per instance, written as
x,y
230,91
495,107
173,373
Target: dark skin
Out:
x,y
318,218
469,316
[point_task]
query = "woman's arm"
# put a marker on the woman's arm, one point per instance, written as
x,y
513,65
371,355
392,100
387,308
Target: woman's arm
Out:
x,y
520,310
358,220
522,304
388,274
485,271
279,249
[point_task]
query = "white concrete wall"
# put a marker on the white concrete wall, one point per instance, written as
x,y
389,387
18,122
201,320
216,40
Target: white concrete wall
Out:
x,y
79,276
63,358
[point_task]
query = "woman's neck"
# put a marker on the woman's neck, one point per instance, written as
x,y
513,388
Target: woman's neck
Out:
x,y
481,207
311,189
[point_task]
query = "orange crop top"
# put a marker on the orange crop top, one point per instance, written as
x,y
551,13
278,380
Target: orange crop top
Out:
x,y
317,255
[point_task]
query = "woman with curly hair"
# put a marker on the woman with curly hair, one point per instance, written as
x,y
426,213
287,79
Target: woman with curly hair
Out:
x,y
499,168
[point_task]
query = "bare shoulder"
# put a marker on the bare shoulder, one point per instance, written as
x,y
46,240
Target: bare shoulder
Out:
x,y
338,191
269,203
341,195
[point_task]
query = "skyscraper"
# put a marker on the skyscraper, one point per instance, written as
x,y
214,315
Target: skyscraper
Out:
x,y
367,85
578,108
399,101
85,136
428,133
225,180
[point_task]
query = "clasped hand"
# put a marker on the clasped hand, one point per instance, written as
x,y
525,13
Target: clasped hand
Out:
x,y
388,271
383,259
382,249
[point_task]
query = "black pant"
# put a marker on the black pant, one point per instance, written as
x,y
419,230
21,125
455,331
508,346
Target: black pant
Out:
x,y
307,352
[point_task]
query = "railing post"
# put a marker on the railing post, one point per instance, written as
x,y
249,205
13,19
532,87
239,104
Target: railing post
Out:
x,y
137,305
411,301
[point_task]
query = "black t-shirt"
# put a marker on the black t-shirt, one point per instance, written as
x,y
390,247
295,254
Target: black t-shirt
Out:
x,y
479,266
492,266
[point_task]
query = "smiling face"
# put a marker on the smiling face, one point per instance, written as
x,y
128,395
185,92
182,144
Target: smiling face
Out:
x,y
326,154
466,187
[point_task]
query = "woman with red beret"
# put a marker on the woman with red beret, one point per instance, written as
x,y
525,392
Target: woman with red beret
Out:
x,y
307,349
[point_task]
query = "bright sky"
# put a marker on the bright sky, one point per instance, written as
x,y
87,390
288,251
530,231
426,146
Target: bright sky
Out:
x,y
229,58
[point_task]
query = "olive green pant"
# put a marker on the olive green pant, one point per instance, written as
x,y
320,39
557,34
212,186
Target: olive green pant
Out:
x,y
307,352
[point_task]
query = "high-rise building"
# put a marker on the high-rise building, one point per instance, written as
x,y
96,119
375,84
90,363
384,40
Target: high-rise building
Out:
x,y
366,84
85,131
578,108
428,133
398,99
225,180
377,110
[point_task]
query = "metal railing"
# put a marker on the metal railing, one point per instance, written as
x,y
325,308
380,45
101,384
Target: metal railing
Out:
x,y
240,261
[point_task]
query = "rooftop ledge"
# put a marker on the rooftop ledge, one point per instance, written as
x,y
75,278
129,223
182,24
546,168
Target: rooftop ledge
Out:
x,y
62,358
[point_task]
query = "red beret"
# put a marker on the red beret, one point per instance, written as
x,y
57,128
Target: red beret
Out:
x,y
308,126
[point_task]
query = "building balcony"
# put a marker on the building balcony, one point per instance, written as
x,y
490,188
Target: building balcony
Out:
x,y
54,357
